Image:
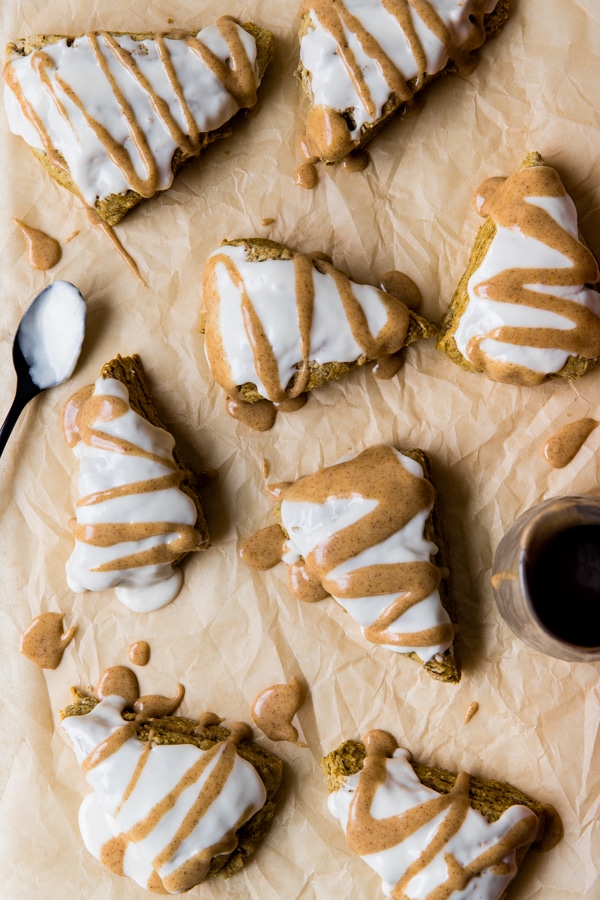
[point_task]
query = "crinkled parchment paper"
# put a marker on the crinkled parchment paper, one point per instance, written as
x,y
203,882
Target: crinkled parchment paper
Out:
x,y
232,631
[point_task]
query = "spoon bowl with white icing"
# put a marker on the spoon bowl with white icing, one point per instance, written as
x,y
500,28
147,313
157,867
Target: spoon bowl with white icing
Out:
x,y
46,347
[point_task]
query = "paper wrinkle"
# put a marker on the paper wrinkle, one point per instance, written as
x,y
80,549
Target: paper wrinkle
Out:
x,y
233,631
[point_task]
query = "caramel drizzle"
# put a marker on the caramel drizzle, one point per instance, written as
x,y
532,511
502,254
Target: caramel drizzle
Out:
x,y
366,834
508,207
335,18
389,339
378,475
83,410
194,870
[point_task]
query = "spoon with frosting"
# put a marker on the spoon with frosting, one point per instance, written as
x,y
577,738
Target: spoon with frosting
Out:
x,y
46,346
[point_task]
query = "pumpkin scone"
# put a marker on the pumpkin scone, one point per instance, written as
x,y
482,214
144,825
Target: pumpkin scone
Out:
x,y
367,531
139,511
427,832
113,116
362,63
175,801
527,307
279,323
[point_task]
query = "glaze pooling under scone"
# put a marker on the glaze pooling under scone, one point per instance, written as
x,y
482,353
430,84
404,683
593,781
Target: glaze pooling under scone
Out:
x,y
423,844
530,304
132,520
112,111
160,813
361,55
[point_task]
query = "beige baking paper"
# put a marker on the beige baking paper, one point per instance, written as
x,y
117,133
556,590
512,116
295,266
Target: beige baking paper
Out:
x,y
232,631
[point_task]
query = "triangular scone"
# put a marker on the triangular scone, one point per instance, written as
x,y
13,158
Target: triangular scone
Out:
x,y
367,531
278,323
139,766
361,64
525,309
113,116
139,510
427,832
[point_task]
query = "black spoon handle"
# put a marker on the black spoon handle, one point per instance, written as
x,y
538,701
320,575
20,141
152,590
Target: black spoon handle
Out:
x,y
18,405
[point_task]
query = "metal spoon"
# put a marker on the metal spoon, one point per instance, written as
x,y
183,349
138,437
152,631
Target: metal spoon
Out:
x,y
46,346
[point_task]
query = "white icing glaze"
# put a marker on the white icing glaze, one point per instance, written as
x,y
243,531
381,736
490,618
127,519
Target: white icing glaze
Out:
x,y
104,815
403,791
271,287
92,171
510,249
309,524
143,588
51,333
331,84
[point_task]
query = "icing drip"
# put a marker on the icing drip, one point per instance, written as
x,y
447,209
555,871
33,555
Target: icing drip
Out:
x,y
530,306
133,521
360,56
426,845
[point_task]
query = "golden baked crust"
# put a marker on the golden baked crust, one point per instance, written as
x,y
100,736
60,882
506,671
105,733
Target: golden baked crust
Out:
x,y
181,730
261,249
115,206
130,372
575,367
490,798
493,22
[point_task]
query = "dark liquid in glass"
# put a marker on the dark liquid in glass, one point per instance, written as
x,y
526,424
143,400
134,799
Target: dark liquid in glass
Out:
x,y
564,585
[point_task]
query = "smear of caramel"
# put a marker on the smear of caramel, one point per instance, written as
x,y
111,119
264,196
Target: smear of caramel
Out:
x,y
274,708
43,251
564,446
44,641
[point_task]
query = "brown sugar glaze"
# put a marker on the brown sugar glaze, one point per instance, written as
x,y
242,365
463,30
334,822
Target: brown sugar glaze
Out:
x,y
123,682
236,75
389,340
564,446
274,708
44,641
375,474
506,201
81,413
139,653
327,133
43,251
366,834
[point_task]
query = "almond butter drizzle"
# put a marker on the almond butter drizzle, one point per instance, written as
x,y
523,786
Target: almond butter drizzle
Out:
x,y
275,707
43,251
81,413
44,641
366,834
327,131
567,442
387,342
236,74
506,201
194,870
